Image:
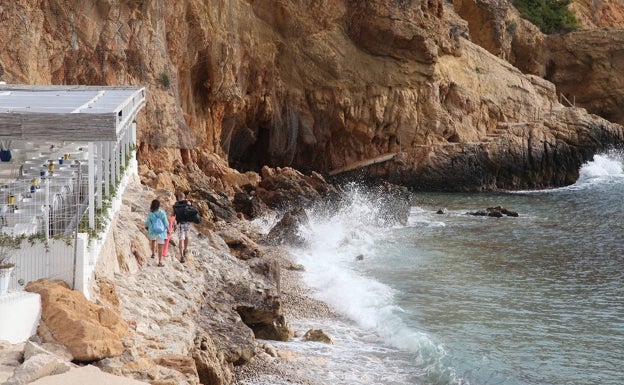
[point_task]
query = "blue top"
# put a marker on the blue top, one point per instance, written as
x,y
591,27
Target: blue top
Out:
x,y
151,219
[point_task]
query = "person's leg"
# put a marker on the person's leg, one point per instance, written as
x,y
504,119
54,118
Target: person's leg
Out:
x,y
153,247
161,248
181,241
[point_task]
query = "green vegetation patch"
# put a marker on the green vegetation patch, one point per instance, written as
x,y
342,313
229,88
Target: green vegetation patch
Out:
x,y
551,16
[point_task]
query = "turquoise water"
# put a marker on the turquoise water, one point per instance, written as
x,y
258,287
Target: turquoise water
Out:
x,y
459,299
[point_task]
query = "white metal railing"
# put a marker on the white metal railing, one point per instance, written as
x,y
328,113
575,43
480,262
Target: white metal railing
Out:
x,y
48,216
55,258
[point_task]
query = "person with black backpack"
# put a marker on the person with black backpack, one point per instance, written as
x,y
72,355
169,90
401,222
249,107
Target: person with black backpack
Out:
x,y
182,224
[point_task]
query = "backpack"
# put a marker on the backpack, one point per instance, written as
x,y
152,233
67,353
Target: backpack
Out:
x,y
159,226
184,212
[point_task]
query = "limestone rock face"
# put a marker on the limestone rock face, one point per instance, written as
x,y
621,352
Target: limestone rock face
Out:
x,y
598,55
322,85
90,332
583,65
599,14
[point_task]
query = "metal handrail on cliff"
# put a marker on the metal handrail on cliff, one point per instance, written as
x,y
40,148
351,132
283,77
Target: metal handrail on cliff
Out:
x,y
563,98
364,163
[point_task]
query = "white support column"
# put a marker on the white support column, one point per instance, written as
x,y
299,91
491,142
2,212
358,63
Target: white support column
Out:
x,y
48,209
91,183
133,133
113,170
99,168
126,145
118,155
107,167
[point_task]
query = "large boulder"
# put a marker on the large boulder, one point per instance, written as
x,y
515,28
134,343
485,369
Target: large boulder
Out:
x,y
90,332
267,322
287,230
284,188
249,204
241,246
211,365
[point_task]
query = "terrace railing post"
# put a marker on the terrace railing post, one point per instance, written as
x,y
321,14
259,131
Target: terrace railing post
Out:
x,y
91,184
107,168
48,211
77,203
99,167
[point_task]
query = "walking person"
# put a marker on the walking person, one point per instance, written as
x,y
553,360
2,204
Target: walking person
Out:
x,y
182,224
157,225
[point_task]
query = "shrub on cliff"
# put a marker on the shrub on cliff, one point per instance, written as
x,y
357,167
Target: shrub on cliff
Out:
x,y
550,16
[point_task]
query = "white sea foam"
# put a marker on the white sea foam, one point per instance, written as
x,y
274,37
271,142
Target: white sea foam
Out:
x,y
419,217
605,168
357,357
333,270
264,223
609,164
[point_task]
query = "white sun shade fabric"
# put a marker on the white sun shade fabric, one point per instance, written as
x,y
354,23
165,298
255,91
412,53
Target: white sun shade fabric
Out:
x,y
83,113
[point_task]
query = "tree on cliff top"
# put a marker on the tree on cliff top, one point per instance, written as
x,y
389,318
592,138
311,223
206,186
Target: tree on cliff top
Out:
x,y
550,16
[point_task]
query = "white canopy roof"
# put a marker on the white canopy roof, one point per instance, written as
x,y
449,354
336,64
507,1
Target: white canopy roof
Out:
x,y
88,113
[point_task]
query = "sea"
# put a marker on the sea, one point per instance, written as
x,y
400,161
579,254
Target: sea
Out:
x,y
454,298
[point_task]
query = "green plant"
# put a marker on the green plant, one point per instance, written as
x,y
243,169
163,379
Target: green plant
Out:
x,y
8,243
164,80
38,237
101,214
551,16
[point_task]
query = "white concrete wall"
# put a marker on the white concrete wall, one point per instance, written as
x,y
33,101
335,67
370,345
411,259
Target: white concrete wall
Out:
x,y
20,313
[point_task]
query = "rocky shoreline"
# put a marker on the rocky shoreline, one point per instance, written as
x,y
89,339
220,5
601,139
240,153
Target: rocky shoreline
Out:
x,y
184,320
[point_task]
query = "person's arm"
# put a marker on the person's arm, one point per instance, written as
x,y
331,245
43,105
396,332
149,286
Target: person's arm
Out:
x,y
147,222
166,221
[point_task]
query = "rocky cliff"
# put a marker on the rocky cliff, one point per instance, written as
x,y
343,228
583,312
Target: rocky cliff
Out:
x,y
322,85
583,65
461,96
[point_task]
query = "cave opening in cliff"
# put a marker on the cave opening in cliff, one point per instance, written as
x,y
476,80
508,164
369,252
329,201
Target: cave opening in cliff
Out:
x,y
246,149
251,145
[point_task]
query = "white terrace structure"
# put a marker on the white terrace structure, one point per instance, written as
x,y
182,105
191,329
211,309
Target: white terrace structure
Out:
x,y
71,153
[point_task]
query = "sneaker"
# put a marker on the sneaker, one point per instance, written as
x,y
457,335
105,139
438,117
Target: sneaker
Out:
x,y
183,259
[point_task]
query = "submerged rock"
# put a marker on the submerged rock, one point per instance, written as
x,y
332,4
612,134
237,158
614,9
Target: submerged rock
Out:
x,y
496,212
318,335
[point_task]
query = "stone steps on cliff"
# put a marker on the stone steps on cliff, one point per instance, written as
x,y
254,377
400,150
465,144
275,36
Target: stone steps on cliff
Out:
x,y
504,129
